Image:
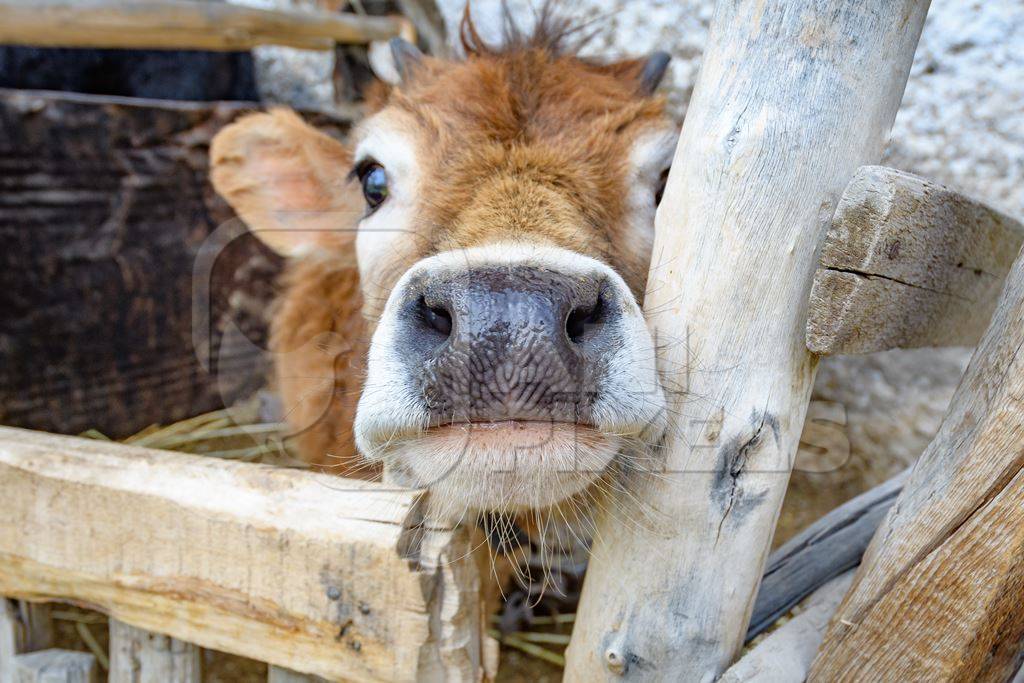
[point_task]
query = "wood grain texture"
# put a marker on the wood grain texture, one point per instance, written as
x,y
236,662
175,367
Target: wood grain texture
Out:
x,y
56,666
827,548
182,24
938,595
311,572
908,263
24,627
105,208
792,98
139,656
786,654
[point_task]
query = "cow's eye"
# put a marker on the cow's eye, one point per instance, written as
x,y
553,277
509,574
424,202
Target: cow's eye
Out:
x,y
375,183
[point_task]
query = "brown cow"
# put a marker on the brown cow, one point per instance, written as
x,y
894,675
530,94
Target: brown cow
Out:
x,y
482,244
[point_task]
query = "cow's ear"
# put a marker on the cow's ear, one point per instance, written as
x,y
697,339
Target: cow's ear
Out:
x,y
288,181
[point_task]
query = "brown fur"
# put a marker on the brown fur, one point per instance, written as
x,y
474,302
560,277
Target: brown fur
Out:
x,y
525,144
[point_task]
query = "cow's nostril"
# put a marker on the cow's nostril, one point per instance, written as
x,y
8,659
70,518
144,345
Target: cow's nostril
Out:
x,y
437,318
581,318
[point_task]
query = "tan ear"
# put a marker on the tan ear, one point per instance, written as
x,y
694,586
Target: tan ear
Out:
x,y
288,181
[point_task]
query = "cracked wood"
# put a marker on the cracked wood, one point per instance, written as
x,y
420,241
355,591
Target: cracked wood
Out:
x,y
315,573
908,263
938,595
758,169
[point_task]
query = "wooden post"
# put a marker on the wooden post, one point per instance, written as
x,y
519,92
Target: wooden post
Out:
x,y
938,595
792,98
138,656
56,666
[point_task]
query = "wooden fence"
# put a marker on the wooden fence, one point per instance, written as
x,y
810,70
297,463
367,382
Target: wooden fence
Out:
x,y
320,576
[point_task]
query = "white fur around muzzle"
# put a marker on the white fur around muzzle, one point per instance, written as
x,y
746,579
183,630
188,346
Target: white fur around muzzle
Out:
x,y
468,470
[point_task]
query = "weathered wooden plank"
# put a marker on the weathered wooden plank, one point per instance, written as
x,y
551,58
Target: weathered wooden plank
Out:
x,y
908,263
140,656
785,655
182,24
105,206
56,666
24,627
311,572
792,98
824,550
939,591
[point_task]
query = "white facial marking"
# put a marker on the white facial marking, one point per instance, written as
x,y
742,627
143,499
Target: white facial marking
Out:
x,y
649,158
386,137
508,465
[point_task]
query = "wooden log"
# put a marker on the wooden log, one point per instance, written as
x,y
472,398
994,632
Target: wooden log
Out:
x,y
56,666
827,548
939,592
182,25
908,263
139,656
786,654
792,98
105,206
307,571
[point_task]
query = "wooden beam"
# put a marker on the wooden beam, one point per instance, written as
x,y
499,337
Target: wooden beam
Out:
x,y
56,666
939,592
182,25
139,655
908,263
786,654
792,98
827,548
311,572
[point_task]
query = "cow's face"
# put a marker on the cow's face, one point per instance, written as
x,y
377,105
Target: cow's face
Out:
x,y
503,212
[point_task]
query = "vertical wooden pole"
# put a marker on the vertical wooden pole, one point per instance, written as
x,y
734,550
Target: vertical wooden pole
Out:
x,y
138,656
792,98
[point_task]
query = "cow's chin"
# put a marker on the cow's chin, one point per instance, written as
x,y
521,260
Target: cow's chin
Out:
x,y
503,466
